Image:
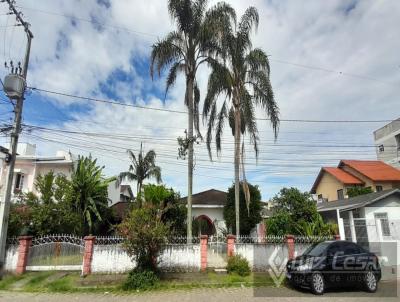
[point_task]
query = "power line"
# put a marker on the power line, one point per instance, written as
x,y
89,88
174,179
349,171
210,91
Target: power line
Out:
x,y
185,112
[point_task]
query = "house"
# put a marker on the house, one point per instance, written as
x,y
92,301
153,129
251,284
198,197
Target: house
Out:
x,y
332,183
366,219
119,193
387,140
208,206
28,166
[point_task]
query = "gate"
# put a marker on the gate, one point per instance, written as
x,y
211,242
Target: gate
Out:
x,y
217,255
56,252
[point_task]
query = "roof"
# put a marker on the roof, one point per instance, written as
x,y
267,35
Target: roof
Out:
x,y
339,174
210,197
121,208
373,169
4,150
127,187
355,202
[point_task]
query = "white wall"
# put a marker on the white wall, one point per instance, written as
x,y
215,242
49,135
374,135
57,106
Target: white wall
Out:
x,y
261,256
113,259
215,214
11,258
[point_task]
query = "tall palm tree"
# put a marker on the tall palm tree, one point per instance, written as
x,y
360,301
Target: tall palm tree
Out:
x,y
242,75
142,167
193,43
89,190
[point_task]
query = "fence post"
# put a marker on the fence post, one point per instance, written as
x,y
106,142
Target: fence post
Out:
x,y
23,253
290,246
336,237
203,252
231,245
88,255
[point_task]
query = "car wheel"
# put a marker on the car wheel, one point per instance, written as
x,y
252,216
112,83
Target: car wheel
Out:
x,y
317,284
370,283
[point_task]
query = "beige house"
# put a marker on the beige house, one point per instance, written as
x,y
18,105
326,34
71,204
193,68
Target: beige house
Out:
x,y
387,140
332,183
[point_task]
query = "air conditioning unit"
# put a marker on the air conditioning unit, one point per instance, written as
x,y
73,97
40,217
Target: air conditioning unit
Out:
x,y
14,86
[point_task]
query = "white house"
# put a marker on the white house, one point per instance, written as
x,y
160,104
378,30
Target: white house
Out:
x,y
28,166
208,206
118,193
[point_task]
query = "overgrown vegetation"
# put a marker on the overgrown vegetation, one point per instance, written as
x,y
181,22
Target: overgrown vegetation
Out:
x,y
140,280
356,191
238,265
249,216
296,213
77,206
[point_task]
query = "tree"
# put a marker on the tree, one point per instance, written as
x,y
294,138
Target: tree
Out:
x,y
242,75
142,167
89,191
356,191
194,42
49,212
249,218
296,213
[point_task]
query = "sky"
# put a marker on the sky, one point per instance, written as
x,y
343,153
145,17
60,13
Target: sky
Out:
x,y
330,60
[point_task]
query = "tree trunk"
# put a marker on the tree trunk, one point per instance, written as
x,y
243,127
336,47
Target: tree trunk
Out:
x,y
139,193
237,166
189,94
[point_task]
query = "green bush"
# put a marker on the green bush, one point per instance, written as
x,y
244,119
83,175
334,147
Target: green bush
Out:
x,y
140,280
239,265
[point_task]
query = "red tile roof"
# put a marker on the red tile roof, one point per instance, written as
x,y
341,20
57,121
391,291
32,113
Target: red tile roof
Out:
x,y
373,169
343,176
339,174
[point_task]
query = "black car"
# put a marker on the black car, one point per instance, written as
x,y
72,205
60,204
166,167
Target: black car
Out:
x,y
334,264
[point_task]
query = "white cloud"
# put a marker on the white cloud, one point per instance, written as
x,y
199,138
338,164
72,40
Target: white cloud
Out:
x,y
79,57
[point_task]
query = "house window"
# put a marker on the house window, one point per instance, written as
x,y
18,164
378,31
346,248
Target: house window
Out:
x,y
340,194
379,188
397,137
384,221
19,181
381,148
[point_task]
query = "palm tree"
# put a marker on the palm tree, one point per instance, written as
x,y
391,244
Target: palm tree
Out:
x,y
142,167
193,43
242,75
89,190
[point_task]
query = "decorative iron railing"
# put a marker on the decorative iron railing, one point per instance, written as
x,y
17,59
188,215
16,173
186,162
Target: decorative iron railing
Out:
x,y
12,241
243,239
58,239
311,239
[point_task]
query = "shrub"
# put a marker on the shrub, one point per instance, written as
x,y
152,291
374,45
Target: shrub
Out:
x,y
140,280
239,265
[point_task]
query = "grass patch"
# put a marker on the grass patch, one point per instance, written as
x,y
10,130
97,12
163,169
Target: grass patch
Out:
x,y
73,282
61,285
9,280
37,280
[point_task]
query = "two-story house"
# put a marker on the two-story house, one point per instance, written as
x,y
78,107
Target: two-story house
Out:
x,y
387,140
332,183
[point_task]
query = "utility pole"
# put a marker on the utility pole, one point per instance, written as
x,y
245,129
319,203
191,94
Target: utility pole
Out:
x,y
14,87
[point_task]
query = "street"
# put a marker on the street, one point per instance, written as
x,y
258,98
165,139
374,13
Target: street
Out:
x,y
209,295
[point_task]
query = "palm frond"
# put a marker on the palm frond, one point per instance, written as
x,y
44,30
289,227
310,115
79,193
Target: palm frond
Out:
x,y
249,19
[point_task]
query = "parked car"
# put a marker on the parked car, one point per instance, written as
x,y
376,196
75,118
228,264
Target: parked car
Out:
x,y
334,264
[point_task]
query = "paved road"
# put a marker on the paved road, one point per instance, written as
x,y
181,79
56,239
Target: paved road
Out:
x,y
208,295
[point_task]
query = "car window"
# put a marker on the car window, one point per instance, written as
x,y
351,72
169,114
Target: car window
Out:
x,y
317,249
335,249
351,249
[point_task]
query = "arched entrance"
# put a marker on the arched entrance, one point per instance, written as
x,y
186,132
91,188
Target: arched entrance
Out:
x,y
204,225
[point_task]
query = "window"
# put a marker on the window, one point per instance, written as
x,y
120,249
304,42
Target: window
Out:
x,y
381,148
397,137
19,181
340,194
379,188
351,249
384,221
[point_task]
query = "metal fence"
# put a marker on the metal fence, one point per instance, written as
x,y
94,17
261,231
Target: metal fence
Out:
x,y
56,252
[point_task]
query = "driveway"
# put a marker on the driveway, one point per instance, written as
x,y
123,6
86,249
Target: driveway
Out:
x,y
209,295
